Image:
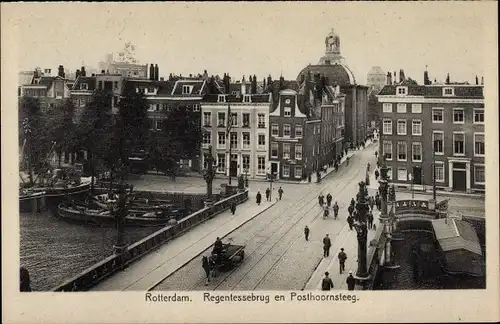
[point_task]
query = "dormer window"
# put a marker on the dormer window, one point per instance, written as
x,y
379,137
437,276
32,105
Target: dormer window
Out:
x,y
247,98
221,98
401,91
84,86
186,89
448,92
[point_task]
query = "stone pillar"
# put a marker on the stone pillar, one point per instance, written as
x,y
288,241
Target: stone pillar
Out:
x,y
450,175
468,176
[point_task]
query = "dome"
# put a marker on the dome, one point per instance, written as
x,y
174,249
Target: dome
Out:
x,y
337,74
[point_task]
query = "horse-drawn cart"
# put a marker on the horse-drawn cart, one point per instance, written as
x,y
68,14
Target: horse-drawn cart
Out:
x,y
227,258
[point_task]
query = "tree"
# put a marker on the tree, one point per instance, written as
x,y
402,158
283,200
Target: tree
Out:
x,y
63,129
182,128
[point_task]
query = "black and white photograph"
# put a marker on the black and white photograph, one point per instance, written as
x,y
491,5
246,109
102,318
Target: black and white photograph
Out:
x,y
212,153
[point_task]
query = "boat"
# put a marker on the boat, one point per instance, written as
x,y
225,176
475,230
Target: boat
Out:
x,y
139,204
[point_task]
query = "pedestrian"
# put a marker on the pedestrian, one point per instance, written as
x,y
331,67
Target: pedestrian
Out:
x,y
258,197
342,257
327,244
376,154
377,201
371,201
329,199
206,266
233,207
370,220
321,200
326,283
268,194
335,210
280,192
306,233
350,209
326,211
350,221
355,215
376,174
353,202
350,281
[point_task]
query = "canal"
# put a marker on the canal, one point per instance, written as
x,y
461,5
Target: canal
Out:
x,y
54,250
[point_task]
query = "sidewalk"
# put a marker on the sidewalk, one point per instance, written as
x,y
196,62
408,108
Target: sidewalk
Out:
x,y
157,265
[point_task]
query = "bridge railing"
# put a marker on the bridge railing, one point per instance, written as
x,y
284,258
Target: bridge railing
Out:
x,y
107,267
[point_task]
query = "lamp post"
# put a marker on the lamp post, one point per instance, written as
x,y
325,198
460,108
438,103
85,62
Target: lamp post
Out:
x,y
209,175
362,232
120,213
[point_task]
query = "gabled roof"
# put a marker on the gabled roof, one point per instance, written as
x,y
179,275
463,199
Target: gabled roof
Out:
x,y
196,84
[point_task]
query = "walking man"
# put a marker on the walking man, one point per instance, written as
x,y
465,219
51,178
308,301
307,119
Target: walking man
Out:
x,y
350,209
350,281
233,207
370,220
335,210
306,233
206,267
353,202
350,221
329,199
268,194
258,198
378,203
376,174
326,283
342,257
280,192
327,244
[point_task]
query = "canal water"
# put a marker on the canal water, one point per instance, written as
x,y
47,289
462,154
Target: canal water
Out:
x,y
54,250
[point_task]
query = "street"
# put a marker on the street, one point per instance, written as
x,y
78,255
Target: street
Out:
x,y
277,257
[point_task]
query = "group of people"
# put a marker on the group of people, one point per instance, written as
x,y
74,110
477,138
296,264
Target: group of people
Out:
x,y
353,213
327,283
326,206
258,197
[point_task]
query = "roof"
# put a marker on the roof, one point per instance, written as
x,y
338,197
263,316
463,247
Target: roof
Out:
x,y
436,91
89,80
255,98
336,73
197,86
46,81
25,77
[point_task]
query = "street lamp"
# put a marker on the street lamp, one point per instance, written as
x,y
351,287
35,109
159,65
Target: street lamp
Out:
x,y
362,232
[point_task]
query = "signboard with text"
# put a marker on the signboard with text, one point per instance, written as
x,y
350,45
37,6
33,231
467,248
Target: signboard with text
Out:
x,y
405,205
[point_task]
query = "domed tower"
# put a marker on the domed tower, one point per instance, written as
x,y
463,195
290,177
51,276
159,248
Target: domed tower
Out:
x,y
332,50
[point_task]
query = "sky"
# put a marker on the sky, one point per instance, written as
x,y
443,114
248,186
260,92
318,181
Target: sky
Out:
x,y
257,38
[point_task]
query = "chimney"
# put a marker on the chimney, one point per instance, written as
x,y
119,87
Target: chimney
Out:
x,y
264,84
254,84
82,72
151,72
35,75
282,82
157,72
389,78
395,79
243,86
447,78
77,74
482,80
93,74
269,81
61,71
401,76
426,77
103,72
205,75
477,80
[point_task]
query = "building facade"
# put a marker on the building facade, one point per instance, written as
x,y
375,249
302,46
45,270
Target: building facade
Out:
x,y
440,124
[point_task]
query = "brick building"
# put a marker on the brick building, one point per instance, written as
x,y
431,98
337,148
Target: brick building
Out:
x,y
447,119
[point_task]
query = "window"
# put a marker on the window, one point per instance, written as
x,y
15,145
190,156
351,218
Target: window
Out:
x,y
159,124
298,151
207,139
221,119
458,143
234,119
439,170
234,140
246,162
387,150
261,165
298,172
286,130
402,91
478,116
288,111
196,107
298,130
246,140
437,115
274,150
479,144
221,163
275,130
401,108
262,140
84,86
261,120
458,116
286,171
247,98
387,127
387,107
389,173
207,119
286,150
287,101
116,85
402,148
416,108
401,127
402,174
438,140
246,120
448,92
221,98
416,149
186,89
222,141
416,127
479,175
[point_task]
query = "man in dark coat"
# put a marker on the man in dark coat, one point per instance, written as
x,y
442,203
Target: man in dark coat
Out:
x,y
353,202
280,192
370,220
217,246
350,221
350,209
306,233
378,202
335,210
258,197
233,207
206,266
342,257
326,283
268,194
351,282
327,244
376,174
329,199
